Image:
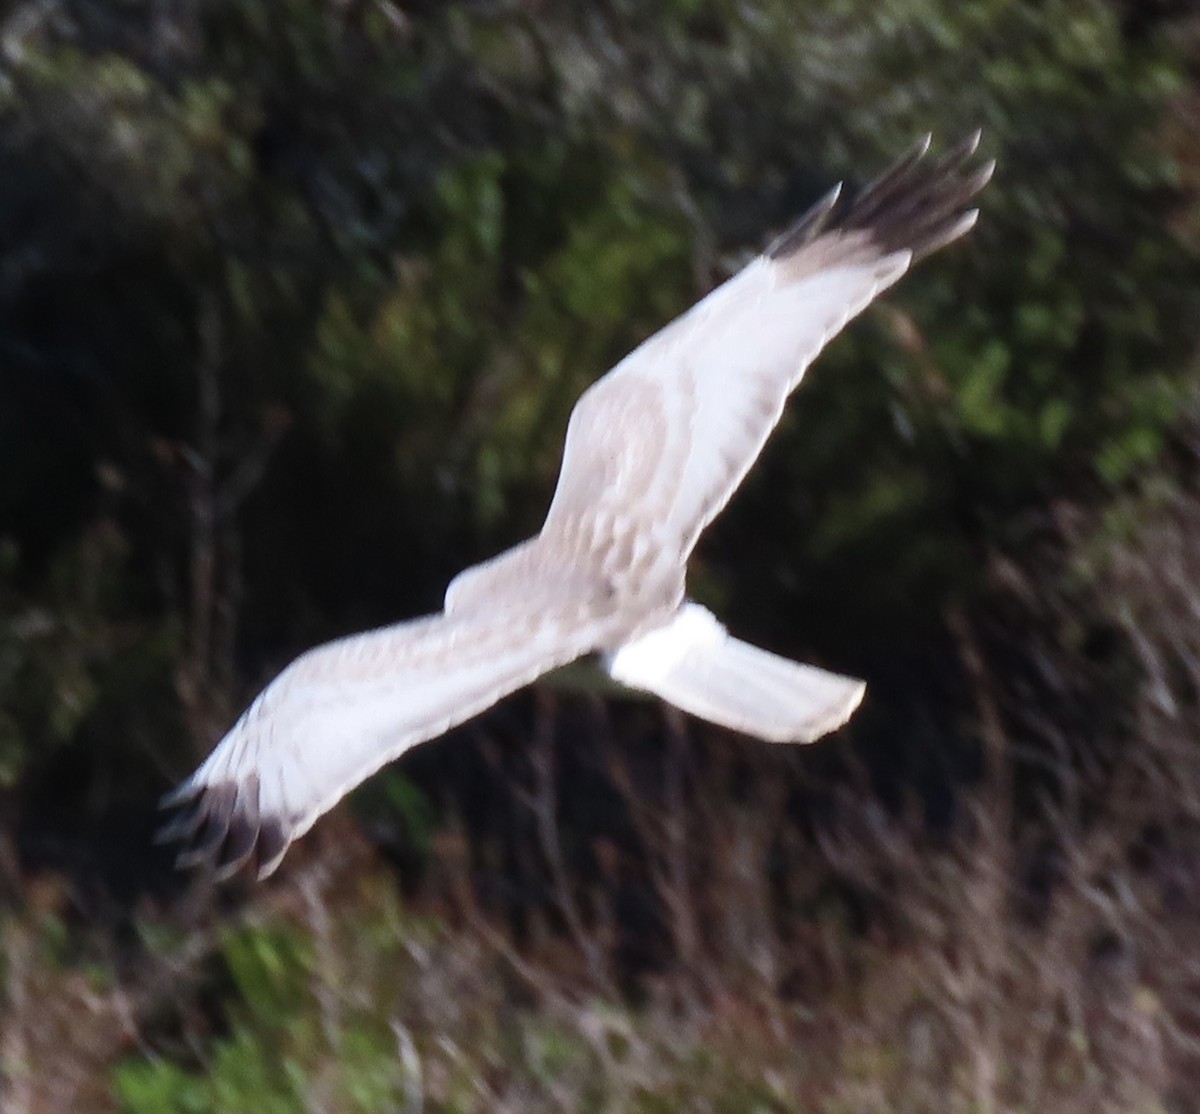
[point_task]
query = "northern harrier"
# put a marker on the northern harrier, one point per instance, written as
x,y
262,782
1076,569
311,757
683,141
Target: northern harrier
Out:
x,y
654,450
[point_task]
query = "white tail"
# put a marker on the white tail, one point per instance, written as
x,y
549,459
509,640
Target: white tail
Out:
x,y
693,663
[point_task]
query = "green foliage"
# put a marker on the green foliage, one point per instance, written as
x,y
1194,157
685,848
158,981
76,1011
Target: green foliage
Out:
x,y
422,246
282,1047
270,972
392,1013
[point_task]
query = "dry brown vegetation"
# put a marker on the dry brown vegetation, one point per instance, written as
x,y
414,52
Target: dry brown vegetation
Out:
x,y
862,963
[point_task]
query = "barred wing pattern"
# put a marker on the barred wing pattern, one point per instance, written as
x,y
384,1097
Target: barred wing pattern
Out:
x,y
653,451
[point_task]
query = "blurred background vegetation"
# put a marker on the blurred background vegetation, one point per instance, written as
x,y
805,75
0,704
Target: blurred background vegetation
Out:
x,y
295,299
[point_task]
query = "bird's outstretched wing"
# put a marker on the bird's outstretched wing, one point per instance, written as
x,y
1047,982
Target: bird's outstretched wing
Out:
x,y
655,449
340,712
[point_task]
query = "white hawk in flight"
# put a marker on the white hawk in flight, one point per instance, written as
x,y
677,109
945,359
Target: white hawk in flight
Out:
x,y
654,450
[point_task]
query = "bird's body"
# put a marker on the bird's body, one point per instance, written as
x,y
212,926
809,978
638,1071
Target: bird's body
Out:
x,y
653,452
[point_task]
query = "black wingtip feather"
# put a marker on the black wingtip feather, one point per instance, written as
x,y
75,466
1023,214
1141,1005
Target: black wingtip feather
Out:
x,y
181,794
807,227
181,827
213,813
223,829
273,841
243,831
918,204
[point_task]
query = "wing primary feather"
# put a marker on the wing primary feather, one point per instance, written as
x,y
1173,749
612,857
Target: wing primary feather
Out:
x,y
216,811
961,151
928,204
947,234
808,226
932,224
273,842
935,235
185,791
917,205
181,827
243,830
915,209
896,179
